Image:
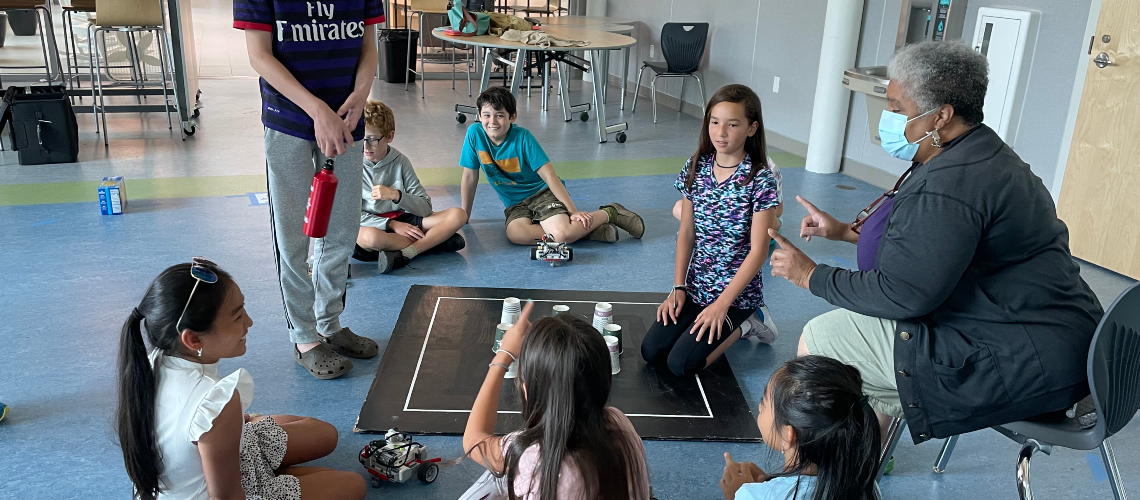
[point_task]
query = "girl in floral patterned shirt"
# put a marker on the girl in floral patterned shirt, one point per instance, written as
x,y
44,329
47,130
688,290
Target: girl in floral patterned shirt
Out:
x,y
727,211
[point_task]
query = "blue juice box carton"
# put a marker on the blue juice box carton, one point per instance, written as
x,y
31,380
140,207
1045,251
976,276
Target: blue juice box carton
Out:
x,y
112,195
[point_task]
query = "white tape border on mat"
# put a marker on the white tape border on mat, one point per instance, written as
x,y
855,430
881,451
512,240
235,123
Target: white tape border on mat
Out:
x,y
431,323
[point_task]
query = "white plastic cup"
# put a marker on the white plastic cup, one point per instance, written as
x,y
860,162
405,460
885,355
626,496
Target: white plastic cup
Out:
x,y
560,309
614,330
511,310
615,356
603,315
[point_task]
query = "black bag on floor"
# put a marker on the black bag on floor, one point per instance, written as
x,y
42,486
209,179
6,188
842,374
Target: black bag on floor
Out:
x,y
41,123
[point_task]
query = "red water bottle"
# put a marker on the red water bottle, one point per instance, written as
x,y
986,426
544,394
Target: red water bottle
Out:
x,y
321,197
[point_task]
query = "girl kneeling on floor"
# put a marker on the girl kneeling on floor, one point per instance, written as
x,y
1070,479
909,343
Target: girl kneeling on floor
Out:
x,y
571,446
730,203
814,412
182,426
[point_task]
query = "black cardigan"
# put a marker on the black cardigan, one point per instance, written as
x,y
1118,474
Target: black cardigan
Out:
x,y
994,320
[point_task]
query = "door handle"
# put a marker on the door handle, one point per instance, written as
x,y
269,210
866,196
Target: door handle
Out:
x,y
1102,60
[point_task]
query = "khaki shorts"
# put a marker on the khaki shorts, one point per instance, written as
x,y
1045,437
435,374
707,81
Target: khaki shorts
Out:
x,y
537,207
864,342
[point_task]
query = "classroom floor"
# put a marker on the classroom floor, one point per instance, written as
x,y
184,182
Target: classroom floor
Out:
x,y
70,276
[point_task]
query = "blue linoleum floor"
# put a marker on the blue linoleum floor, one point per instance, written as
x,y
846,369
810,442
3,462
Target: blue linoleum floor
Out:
x,y
71,275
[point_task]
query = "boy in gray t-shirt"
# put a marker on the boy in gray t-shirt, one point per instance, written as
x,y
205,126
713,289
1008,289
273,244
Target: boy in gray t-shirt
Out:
x,y
396,218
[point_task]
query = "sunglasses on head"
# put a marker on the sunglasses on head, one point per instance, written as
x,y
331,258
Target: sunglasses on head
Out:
x,y
200,270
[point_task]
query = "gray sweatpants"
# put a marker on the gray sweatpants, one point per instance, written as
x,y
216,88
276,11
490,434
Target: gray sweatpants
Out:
x,y
312,304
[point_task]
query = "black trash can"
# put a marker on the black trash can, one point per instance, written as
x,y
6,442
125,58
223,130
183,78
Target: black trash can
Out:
x,y
23,22
394,60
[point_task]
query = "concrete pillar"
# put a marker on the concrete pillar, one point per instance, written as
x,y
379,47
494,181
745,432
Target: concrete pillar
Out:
x,y
829,111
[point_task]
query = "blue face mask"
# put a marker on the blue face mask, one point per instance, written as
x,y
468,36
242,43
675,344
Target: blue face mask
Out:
x,y
892,134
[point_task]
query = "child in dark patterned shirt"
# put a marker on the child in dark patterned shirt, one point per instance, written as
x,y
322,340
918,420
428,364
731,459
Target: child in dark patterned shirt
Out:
x,y
729,204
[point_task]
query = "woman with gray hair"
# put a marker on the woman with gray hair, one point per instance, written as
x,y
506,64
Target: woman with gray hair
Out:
x,y
967,310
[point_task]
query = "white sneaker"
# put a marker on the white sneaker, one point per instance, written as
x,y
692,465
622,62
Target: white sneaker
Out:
x,y
764,330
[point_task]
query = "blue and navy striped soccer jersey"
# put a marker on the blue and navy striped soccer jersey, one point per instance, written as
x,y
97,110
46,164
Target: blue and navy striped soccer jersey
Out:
x,y
319,42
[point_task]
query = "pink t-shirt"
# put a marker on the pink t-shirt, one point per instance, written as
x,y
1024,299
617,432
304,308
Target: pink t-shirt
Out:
x,y
570,479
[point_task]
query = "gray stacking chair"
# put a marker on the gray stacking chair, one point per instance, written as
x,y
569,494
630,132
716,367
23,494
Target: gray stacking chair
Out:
x,y
683,45
1114,381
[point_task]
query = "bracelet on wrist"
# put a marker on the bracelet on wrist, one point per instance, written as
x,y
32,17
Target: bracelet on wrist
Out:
x,y
508,353
680,287
500,365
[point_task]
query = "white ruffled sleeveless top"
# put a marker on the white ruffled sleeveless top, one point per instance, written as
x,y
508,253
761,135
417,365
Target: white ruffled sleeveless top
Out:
x,y
190,396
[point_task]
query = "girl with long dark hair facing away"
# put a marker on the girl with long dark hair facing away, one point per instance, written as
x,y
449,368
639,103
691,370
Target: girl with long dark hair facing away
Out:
x,y
815,414
182,426
571,446
731,199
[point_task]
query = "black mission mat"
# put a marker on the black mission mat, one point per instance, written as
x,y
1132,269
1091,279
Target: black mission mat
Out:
x,y
437,359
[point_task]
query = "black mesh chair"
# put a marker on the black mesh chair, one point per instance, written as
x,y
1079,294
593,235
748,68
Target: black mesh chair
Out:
x,y
683,45
1114,380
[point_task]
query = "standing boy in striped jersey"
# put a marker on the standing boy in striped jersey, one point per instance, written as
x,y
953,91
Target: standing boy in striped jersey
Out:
x,y
317,60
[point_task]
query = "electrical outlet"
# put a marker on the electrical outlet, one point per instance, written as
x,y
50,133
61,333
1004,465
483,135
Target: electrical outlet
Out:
x,y
776,85
651,51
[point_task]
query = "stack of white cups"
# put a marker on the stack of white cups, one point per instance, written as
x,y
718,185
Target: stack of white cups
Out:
x,y
615,356
603,315
512,308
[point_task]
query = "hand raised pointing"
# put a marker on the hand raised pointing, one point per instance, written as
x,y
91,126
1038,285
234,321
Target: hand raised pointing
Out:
x,y
789,262
819,223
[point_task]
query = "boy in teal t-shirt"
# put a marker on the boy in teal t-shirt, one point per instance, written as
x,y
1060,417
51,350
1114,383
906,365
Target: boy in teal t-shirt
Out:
x,y
521,174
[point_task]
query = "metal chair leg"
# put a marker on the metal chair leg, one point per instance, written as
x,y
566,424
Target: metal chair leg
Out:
x,y
160,39
894,432
1113,471
92,55
43,43
408,72
47,33
653,95
100,107
944,455
423,62
701,86
637,89
624,75
1027,451
681,97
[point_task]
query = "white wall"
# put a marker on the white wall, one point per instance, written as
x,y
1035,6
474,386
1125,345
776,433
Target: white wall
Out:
x,y
751,41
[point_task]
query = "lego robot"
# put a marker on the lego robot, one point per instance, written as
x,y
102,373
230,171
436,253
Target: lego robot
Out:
x,y
397,458
551,251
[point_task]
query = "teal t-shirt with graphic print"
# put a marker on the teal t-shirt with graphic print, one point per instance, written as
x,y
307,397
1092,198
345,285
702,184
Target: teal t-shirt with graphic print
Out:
x,y
511,167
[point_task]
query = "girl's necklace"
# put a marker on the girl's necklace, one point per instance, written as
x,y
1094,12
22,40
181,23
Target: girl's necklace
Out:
x,y
717,163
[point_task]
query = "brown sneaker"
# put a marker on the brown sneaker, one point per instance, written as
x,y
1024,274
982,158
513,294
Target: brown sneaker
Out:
x,y
322,362
627,220
606,232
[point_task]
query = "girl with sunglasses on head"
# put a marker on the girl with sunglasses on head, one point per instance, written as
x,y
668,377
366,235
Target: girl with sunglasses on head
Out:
x,y
182,426
815,414
571,446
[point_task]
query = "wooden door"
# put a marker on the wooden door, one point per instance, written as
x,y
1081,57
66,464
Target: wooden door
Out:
x,y
1100,194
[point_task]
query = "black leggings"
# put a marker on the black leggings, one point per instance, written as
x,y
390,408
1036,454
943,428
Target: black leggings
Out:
x,y
672,345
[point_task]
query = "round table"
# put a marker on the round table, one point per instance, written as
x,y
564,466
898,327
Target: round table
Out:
x,y
601,43
621,29
580,20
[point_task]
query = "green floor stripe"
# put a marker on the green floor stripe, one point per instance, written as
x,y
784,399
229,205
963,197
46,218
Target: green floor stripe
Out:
x,y
137,189
787,160
229,185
